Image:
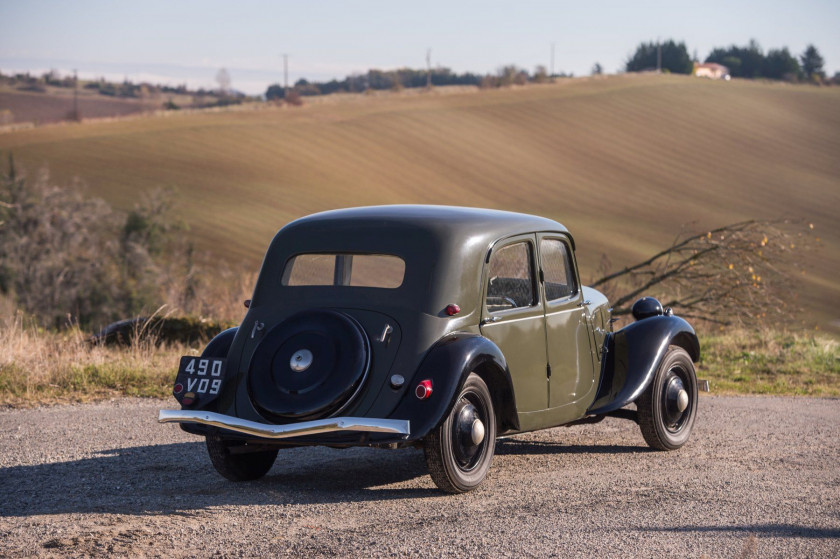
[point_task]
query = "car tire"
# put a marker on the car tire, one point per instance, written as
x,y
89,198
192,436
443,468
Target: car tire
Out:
x,y
456,462
238,466
668,407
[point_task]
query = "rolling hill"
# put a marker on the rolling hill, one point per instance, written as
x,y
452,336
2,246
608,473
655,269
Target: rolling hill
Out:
x,y
623,161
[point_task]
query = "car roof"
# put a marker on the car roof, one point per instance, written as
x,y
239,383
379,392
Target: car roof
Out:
x,y
444,249
448,224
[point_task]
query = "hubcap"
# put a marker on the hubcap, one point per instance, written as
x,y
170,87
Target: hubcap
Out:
x,y
301,360
682,400
477,432
676,401
468,432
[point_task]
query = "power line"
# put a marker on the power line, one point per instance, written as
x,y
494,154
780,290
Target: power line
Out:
x,y
658,56
428,68
285,75
552,62
76,115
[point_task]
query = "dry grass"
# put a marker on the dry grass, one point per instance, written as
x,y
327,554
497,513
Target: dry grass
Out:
x,y
41,367
770,362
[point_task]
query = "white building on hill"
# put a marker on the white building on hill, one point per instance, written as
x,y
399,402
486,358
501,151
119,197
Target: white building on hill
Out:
x,y
711,70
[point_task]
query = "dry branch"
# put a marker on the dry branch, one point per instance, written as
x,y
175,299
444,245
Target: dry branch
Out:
x,y
726,275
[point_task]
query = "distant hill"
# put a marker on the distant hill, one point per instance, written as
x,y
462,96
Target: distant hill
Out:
x,y
41,108
623,161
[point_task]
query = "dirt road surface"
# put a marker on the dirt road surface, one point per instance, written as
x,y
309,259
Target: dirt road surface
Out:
x,y
759,478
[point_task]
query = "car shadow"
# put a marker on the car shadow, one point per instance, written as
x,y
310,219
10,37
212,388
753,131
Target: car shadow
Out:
x,y
179,479
515,447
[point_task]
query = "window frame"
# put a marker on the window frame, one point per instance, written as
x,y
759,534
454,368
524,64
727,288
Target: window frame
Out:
x,y
530,241
341,273
576,294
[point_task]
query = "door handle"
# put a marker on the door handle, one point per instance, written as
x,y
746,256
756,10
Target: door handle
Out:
x,y
584,303
490,319
386,334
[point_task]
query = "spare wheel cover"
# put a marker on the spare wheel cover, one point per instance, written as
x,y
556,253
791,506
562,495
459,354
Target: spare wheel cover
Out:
x,y
309,366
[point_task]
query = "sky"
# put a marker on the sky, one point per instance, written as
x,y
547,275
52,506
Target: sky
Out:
x,y
175,42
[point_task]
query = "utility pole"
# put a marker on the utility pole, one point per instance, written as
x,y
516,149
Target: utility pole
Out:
x,y
285,75
552,62
428,68
76,115
658,56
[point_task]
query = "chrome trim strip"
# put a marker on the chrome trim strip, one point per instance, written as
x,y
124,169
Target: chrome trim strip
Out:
x,y
246,427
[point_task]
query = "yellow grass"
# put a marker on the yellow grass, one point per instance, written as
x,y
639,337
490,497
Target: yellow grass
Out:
x,y
622,161
38,367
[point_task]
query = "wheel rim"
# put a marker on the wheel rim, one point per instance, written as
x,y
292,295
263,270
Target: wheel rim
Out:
x,y
468,431
677,399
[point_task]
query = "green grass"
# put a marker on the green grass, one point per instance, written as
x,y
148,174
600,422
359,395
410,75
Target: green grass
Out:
x,y
623,161
771,362
84,383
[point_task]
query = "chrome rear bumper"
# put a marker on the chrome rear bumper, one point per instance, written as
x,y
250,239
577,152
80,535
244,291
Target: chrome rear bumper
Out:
x,y
264,430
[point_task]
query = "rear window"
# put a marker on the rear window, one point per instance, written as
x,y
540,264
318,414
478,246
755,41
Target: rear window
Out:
x,y
354,270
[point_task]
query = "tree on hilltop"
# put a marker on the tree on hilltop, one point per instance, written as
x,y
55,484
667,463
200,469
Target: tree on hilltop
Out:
x,y
743,62
780,64
812,63
674,57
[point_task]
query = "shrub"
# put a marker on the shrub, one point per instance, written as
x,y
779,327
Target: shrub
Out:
x,y
66,258
294,98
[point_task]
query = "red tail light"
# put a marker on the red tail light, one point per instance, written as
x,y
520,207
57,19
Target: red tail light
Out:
x,y
452,309
423,390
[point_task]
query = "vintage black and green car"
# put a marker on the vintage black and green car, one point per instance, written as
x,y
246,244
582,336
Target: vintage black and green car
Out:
x,y
438,327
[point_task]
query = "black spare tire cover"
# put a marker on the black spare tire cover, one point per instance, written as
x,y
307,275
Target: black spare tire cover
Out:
x,y
309,366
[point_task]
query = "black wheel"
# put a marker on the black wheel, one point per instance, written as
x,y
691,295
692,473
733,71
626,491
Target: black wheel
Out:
x,y
459,452
238,466
668,406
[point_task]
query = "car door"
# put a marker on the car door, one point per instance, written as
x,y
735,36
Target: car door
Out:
x,y
513,318
571,369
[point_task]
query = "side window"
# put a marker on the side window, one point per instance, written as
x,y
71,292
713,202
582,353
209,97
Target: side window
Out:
x,y
511,283
557,270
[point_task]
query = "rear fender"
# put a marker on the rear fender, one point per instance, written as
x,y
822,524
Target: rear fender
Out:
x,y
632,356
447,365
217,347
220,344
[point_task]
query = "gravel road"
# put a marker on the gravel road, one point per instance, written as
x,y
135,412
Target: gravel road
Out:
x,y
759,478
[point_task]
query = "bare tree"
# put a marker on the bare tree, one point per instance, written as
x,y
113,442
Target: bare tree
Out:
x,y
223,79
727,275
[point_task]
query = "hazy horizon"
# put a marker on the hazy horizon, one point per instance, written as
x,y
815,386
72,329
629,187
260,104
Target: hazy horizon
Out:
x,y
188,42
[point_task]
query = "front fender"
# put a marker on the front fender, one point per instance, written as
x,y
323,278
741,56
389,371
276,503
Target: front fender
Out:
x,y
447,365
633,355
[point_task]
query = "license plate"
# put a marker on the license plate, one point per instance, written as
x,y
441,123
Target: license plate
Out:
x,y
199,379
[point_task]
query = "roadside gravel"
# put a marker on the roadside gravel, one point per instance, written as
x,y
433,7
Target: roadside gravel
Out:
x,y
759,478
